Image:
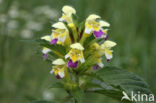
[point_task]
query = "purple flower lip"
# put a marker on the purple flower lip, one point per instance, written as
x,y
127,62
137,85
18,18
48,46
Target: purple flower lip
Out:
x,y
72,64
53,41
45,56
108,60
95,67
106,37
98,34
58,77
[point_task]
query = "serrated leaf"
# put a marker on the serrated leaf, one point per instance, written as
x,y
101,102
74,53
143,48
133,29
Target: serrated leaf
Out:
x,y
116,80
78,95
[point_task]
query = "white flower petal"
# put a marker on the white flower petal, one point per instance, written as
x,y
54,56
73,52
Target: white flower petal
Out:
x,y
93,17
61,19
62,39
88,31
52,71
59,25
108,56
101,65
66,56
61,74
109,44
82,60
104,23
46,50
47,38
77,46
68,10
58,62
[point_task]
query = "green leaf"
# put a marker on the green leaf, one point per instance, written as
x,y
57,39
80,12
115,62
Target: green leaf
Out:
x,y
82,25
59,48
75,19
89,40
116,80
81,30
78,95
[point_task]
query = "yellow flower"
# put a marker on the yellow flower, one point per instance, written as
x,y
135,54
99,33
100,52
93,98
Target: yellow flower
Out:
x,y
95,46
76,53
59,68
67,14
45,52
104,23
98,64
60,34
59,25
95,26
106,46
91,23
68,10
58,62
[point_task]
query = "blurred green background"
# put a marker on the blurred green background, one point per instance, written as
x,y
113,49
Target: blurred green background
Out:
x,y
24,75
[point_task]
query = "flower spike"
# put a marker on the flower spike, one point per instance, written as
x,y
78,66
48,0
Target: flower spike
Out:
x,y
85,44
106,46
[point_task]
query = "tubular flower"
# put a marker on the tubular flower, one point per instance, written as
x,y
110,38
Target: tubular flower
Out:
x,y
75,55
106,46
45,52
94,26
97,49
99,64
59,68
67,15
59,34
98,52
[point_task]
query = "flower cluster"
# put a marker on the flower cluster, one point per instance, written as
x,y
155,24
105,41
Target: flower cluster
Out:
x,y
84,43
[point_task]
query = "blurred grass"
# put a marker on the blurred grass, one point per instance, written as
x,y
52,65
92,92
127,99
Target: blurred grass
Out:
x,y
24,76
